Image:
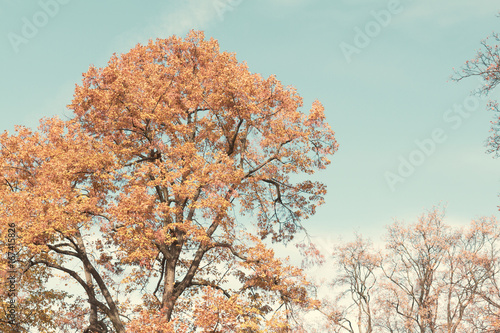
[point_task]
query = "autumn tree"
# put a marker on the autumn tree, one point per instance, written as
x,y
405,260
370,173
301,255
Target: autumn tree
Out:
x,y
356,277
482,257
430,278
486,66
142,193
436,274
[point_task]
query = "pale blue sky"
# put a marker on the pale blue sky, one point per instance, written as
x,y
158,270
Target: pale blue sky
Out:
x,y
379,99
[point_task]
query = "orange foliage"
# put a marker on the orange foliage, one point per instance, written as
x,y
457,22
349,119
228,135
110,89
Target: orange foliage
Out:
x,y
137,193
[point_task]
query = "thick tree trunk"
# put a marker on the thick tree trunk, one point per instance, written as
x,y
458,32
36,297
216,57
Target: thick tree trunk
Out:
x,y
113,313
168,298
93,318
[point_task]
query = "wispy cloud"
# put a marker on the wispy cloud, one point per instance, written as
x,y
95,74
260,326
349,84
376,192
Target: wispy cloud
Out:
x,y
174,19
179,18
450,12
190,15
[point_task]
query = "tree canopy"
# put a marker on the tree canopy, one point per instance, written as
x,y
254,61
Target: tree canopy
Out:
x,y
486,65
426,277
137,197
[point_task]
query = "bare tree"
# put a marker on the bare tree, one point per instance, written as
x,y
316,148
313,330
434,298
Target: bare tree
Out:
x,y
431,278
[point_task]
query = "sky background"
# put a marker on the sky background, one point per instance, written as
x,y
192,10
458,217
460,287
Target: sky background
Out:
x,y
383,94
